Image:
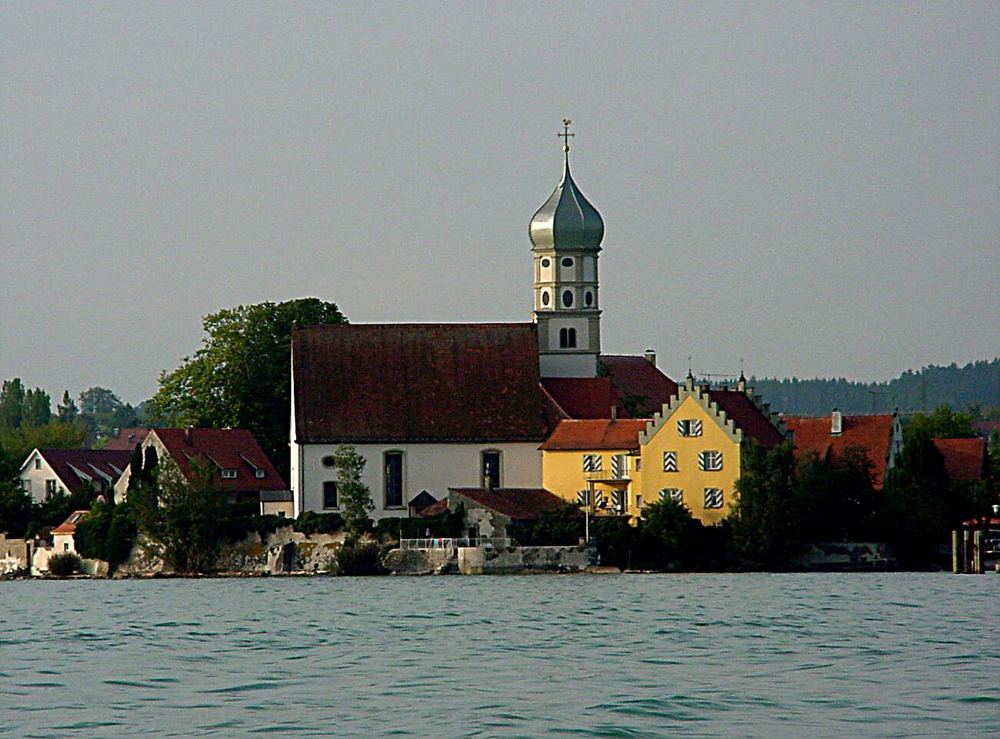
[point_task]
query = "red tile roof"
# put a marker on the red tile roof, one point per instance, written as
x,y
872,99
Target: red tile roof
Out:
x,y
69,525
637,376
747,416
874,433
127,438
233,449
433,509
74,466
595,434
517,503
584,397
419,382
964,459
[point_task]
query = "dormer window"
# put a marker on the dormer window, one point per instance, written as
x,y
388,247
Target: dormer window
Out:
x,y
258,473
228,473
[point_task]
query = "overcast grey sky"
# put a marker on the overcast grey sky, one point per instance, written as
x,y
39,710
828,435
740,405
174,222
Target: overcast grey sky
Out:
x,y
812,186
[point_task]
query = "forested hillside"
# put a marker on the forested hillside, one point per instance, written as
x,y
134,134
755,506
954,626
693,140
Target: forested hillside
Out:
x,y
975,384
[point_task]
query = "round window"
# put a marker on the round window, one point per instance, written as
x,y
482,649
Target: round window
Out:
x,y
567,262
328,461
545,298
568,298
546,263
589,298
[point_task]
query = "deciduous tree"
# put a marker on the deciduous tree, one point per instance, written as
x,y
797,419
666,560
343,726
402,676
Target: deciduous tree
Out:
x,y
353,495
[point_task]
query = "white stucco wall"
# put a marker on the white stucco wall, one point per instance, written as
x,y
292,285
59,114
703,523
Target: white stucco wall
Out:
x,y
430,467
33,480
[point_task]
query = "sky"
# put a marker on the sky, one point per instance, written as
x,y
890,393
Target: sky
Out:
x,y
811,188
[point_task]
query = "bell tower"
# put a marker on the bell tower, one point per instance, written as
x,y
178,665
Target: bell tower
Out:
x,y
566,234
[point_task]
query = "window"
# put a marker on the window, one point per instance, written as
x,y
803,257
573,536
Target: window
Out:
x,y
258,473
638,464
328,461
588,298
50,488
281,514
568,298
65,546
670,461
490,469
546,263
619,501
709,461
638,501
619,466
38,463
229,474
545,297
583,497
674,494
567,262
330,494
689,428
591,462
599,499
713,497
567,338
393,479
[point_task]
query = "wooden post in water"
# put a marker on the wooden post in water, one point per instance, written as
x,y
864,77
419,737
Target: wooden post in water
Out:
x,y
966,551
977,552
956,554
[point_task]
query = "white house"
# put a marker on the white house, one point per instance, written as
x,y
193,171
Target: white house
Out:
x,y
48,472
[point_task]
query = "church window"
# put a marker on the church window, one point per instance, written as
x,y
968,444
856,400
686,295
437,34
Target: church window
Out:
x,y
568,298
330,494
328,461
670,461
393,479
546,263
588,298
490,469
689,428
709,461
713,497
567,262
545,297
567,338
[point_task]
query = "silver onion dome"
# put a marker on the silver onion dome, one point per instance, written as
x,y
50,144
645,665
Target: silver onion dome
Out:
x,y
567,220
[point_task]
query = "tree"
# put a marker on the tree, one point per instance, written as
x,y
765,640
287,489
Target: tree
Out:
x,y
942,422
16,509
767,517
241,375
837,498
67,411
99,401
353,495
670,533
37,408
11,403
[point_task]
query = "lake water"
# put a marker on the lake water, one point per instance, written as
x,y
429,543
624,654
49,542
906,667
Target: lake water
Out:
x,y
615,655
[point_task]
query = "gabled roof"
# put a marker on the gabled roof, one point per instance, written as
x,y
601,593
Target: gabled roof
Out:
x,y
79,468
812,435
516,503
419,383
232,449
638,377
964,459
422,500
69,525
748,416
127,438
595,434
583,397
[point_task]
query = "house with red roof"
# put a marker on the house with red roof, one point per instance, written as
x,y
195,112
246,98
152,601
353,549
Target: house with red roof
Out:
x,y
127,438
489,513
965,460
827,437
48,472
241,469
62,535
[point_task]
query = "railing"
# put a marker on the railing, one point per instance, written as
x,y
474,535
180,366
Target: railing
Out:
x,y
443,543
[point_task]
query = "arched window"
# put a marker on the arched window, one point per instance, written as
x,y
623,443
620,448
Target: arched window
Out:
x,y
571,338
568,298
545,297
588,298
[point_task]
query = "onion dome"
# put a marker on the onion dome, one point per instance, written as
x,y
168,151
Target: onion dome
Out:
x,y
567,220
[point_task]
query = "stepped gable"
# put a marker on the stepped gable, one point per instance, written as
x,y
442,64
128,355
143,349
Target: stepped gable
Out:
x,y
79,468
964,459
370,383
232,449
813,435
574,435
583,397
638,377
520,504
754,420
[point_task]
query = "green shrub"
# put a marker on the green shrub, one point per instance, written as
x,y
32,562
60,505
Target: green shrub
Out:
x,y
310,522
360,559
64,565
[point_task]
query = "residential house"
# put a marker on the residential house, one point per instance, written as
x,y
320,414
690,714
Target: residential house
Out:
x,y
965,460
48,472
828,437
62,535
128,438
241,469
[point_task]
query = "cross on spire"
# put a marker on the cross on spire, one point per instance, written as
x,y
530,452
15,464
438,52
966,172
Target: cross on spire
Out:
x,y
566,135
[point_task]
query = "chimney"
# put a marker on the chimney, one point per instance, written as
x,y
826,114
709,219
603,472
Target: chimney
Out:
x,y
650,355
741,384
614,413
836,422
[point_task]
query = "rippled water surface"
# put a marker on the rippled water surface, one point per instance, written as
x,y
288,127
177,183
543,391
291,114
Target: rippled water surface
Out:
x,y
622,655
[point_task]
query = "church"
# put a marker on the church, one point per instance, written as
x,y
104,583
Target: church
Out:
x,y
432,407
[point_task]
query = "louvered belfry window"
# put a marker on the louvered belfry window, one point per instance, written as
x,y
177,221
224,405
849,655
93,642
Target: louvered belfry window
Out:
x,y
670,461
709,461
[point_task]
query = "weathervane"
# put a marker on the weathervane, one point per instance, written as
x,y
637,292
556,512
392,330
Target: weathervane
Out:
x,y
566,135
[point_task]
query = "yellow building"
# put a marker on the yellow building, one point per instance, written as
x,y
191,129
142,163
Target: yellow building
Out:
x,y
689,451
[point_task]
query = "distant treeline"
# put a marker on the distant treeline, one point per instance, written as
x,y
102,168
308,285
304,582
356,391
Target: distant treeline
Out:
x,y
976,385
